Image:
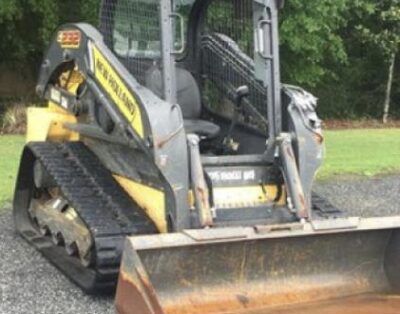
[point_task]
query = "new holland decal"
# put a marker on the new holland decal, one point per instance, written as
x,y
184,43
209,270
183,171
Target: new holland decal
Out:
x,y
117,90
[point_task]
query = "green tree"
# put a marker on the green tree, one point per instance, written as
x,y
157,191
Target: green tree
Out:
x,y
310,44
28,25
380,27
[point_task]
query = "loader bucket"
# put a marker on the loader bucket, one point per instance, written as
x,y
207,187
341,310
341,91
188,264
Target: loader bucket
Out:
x,y
298,268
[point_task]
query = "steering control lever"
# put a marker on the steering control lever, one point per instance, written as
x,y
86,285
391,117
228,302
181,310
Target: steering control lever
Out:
x,y
240,93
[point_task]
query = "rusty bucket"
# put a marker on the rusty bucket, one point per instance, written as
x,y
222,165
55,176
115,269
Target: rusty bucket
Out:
x,y
299,268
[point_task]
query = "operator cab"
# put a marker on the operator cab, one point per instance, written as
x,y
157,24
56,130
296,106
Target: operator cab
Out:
x,y
212,55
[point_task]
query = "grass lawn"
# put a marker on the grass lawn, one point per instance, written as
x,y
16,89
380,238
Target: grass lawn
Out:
x,y
10,153
349,152
361,152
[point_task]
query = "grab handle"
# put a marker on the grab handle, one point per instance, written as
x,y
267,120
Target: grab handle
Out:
x,y
261,44
179,17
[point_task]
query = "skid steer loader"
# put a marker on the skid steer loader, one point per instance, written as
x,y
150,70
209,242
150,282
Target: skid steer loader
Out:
x,y
169,142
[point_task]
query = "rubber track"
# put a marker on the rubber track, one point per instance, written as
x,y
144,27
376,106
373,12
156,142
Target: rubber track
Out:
x,y
323,208
106,209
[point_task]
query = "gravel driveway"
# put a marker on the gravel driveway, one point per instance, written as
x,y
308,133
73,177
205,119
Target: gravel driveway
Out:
x,y
29,284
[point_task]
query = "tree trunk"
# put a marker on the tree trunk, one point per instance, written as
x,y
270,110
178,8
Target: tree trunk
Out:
x,y
386,106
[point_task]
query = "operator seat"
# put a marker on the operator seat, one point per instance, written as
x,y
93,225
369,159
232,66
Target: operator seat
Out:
x,y
189,100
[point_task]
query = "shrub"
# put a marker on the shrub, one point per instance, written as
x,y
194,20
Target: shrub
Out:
x,y
14,119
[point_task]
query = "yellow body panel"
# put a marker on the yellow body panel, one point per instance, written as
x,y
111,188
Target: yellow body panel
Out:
x,y
47,124
118,91
243,196
71,80
246,196
150,199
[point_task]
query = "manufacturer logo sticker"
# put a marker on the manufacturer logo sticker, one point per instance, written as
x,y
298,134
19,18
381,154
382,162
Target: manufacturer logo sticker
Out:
x,y
113,84
69,39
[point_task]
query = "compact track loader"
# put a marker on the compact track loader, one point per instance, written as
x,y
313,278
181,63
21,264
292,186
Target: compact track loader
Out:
x,y
170,143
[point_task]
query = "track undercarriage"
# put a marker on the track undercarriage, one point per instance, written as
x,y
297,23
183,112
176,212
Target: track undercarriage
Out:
x,y
71,209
